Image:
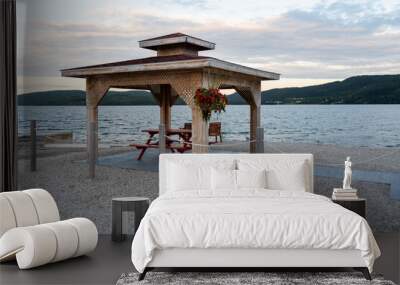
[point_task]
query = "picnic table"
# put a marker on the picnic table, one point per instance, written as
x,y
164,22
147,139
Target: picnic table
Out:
x,y
184,136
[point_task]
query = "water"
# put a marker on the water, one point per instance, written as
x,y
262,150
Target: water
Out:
x,y
346,125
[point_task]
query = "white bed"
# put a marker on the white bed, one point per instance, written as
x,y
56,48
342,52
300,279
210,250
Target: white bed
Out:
x,y
197,224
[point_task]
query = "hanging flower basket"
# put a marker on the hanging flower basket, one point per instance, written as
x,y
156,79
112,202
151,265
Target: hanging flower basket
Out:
x,y
210,100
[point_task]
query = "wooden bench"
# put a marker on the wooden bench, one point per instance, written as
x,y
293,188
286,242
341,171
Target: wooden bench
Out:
x,y
214,130
143,145
181,148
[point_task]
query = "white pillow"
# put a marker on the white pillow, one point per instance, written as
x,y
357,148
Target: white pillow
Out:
x,y
188,177
184,174
251,178
284,174
223,179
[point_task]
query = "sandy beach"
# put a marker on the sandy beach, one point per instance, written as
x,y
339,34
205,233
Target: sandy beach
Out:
x,y
64,173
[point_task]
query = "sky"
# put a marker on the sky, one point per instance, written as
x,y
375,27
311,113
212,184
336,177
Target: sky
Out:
x,y
308,42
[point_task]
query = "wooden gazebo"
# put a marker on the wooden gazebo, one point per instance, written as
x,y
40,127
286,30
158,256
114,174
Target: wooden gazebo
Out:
x,y
176,71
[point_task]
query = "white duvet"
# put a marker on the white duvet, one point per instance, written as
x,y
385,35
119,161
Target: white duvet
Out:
x,y
250,219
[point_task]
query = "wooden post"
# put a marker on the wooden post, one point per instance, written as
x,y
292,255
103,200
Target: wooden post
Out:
x,y
199,131
95,91
33,145
92,155
165,115
92,140
199,125
260,140
162,138
254,124
165,106
255,116
252,95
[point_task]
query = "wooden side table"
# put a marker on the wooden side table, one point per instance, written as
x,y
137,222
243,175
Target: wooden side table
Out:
x,y
358,206
138,205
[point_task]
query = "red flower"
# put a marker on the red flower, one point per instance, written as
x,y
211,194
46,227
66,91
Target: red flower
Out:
x,y
210,100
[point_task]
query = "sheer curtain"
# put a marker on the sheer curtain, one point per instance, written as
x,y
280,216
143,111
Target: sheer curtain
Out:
x,y
8,119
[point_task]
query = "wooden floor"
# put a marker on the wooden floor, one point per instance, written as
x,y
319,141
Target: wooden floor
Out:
x,y
104,266
110,260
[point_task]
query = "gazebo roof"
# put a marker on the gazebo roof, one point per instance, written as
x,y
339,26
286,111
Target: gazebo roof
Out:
x,y
174,62
174,40
174,52
146,60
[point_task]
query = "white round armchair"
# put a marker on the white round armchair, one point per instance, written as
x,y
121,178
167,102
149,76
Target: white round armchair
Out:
x,y
31,230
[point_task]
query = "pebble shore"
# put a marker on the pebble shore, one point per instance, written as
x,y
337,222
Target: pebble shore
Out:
x,y
63,173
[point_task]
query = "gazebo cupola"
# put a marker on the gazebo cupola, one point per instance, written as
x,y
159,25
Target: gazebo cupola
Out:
x,y
176,44
176,71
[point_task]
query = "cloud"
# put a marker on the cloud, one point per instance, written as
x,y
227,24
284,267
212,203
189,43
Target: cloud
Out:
x,y
329,40
325,42
196,3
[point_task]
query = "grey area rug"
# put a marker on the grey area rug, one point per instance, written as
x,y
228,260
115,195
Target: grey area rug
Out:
x,y
233,278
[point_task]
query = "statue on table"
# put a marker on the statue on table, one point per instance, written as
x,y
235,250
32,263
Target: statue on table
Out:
x,y
347,174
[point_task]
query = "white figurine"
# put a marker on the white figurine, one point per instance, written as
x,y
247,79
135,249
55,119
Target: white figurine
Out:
x,y
347,174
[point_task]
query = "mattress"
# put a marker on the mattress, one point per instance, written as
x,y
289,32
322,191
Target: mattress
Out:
x,y
250,219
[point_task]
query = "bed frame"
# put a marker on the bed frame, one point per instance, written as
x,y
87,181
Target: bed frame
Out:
x,y
260,259
245,259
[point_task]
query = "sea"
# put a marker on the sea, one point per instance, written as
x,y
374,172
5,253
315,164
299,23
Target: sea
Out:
x,y
375,126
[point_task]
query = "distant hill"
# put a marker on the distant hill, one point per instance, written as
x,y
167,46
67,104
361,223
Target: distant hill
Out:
x,y
113,98
365,89
77,97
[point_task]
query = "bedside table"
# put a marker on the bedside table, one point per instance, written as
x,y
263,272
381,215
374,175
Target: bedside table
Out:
x,y
138,205
358,206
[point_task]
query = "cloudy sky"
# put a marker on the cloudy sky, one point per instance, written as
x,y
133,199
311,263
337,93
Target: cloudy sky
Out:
x,y
308,42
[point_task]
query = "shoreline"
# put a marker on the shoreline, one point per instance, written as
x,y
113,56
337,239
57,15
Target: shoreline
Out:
x,y
363,158
64,173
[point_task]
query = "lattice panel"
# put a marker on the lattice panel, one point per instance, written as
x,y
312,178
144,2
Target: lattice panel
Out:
x,y
155,91
247,87
186,87
212,80
227,78
246,94
185,83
